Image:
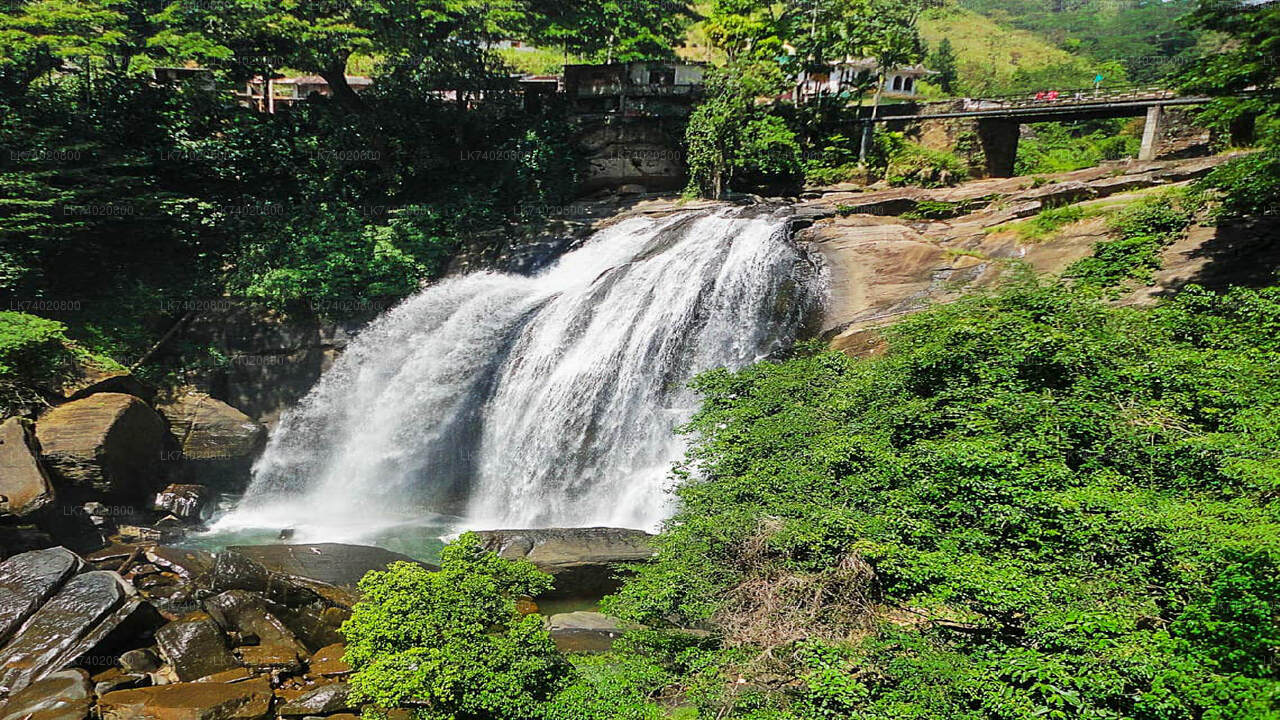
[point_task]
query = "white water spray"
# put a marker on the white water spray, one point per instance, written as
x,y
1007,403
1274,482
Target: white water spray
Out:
x,y
533,401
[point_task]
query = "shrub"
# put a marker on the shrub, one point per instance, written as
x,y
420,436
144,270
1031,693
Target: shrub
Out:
x,y
1143,230
1067,509
1248,185
452,641
30,346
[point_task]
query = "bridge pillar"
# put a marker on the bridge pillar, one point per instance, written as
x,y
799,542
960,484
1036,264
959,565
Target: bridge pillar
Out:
x,y
1151,133
999,139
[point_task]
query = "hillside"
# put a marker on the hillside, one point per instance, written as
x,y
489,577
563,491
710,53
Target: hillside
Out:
x,y
994,59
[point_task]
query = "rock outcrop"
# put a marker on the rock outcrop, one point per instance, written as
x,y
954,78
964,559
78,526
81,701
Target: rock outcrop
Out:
x,y
584,561
295,575
24,484
65,695
29,579
195,647
83,613
583,631
218,442
110,443
249,700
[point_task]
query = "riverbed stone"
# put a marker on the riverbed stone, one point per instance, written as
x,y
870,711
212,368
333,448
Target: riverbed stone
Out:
x,y
298,574
249,700
247,613
327,662
27,580
583,561
110,443
324,700
83,613
586,632
65,695
219,443
24,484
195,647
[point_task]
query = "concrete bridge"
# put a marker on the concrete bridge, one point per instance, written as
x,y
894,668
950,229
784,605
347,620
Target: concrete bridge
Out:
x,y
998,118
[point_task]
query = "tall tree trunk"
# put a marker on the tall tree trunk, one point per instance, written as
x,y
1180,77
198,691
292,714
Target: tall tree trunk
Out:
x,y
336,75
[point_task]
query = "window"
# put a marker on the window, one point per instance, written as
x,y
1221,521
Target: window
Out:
x,y
909,84
897,82
662,76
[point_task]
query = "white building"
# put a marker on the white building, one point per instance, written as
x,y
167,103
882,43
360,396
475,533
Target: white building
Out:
x,y
854,74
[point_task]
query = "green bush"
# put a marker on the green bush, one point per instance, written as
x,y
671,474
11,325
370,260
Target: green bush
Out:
x,y
31,346
452,642
1057,147
1143,230
1060,508
1247,186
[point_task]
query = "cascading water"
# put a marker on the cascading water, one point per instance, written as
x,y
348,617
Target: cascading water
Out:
x,y
533,401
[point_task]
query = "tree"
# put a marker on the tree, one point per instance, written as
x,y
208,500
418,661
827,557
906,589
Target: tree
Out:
x,y
1249,59
452,641
616,30
943,61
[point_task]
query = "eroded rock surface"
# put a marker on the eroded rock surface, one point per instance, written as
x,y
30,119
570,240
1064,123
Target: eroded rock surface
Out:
x,y
583,561
108,442
24,484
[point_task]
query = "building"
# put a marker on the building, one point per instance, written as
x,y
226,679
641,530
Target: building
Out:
x,y
275,93
634,89
852,75
191,76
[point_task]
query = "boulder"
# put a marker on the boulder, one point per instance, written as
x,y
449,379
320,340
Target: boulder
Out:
x,y
110,443
195,647
324,700
65,695
142,660
249,700
92,381
27,580
24,484
189,564
297,574
584,561
70,626
586,632
1053,195
327,662
188,502
218,442
247,613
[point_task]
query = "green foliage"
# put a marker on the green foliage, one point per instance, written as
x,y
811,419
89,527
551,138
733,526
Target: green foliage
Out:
x,y
730,137
1143,230
1049,221
1248,185
904,162
943,62
1058,147
610,687
1245,56
453,640
30,346
1069,508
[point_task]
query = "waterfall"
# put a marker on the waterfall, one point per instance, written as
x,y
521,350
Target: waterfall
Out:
x,y
534,401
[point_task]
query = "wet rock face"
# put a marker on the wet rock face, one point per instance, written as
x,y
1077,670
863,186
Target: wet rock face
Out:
x,y
298,574
584,561
27,580
218,442
111,443
64,695
246,613
195,647
249,700
589,632
324,700
69,626
24,484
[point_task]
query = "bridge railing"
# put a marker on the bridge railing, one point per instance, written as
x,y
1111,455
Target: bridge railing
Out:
x,y
1072,96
